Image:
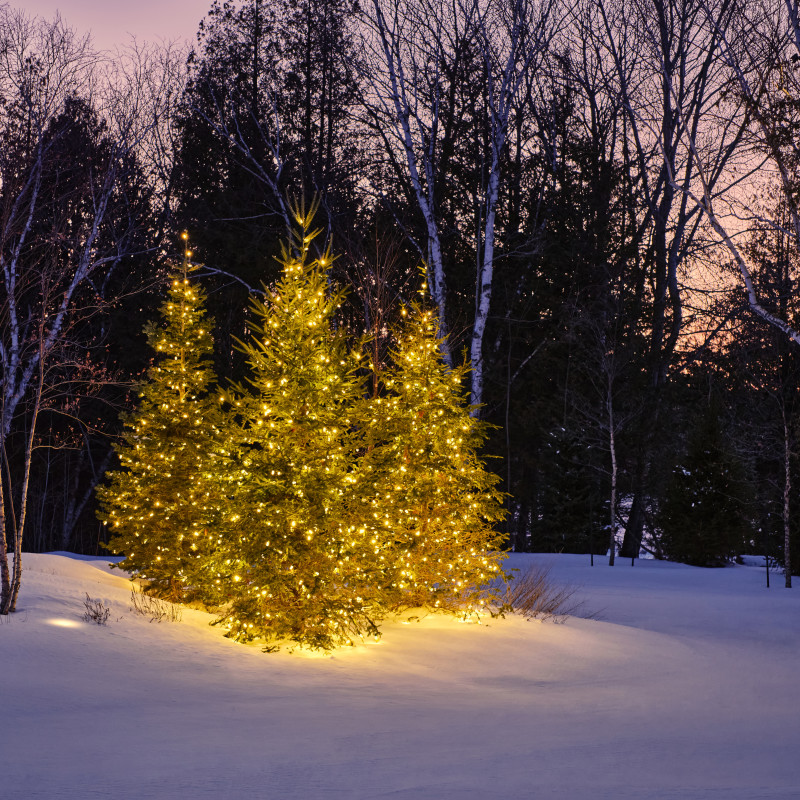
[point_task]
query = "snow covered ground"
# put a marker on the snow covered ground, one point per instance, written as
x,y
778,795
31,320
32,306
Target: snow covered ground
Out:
x,y
687,688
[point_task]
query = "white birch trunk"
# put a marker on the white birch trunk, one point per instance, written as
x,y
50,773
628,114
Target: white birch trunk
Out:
x,y
397,97
499,112
612,446
519,53
787,490
484,298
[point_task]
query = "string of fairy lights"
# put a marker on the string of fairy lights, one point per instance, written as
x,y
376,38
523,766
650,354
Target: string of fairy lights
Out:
x,y
300,505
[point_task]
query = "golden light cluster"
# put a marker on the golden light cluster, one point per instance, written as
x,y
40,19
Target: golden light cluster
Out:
x,y
295,504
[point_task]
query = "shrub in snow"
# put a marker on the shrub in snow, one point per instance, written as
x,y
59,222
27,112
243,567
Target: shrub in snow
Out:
x,y
154,607
95,610
532,594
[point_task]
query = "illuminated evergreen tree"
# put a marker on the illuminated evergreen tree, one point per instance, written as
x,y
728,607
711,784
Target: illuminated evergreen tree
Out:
x,y
431,502
299,565
162,505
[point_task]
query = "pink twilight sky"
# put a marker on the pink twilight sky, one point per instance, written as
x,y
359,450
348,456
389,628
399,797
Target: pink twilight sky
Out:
x,y
110,21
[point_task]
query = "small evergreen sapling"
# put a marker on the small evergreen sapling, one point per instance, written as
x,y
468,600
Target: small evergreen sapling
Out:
x,y
163,503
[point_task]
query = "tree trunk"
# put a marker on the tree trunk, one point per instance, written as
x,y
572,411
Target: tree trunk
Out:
x,y
634,529
5,574
612,536
484,298
787,488
10,601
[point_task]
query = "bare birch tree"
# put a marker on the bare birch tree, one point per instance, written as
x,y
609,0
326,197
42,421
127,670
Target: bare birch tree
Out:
x,y
763,78
411,52
514,40
415,53
760,49
64,227
673,86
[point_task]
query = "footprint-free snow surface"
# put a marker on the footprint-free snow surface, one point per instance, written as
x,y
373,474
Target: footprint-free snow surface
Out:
x,y
686,688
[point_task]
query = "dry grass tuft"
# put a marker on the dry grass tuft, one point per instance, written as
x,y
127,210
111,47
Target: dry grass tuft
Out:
x,y
533,594
154,607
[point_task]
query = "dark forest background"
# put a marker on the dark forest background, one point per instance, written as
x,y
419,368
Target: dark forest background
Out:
x,y
602,194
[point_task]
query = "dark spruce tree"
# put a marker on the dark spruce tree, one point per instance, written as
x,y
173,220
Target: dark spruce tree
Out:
x,y
264,114
705,517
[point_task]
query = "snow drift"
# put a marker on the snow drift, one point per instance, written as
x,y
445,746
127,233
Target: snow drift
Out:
x,y
685,689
